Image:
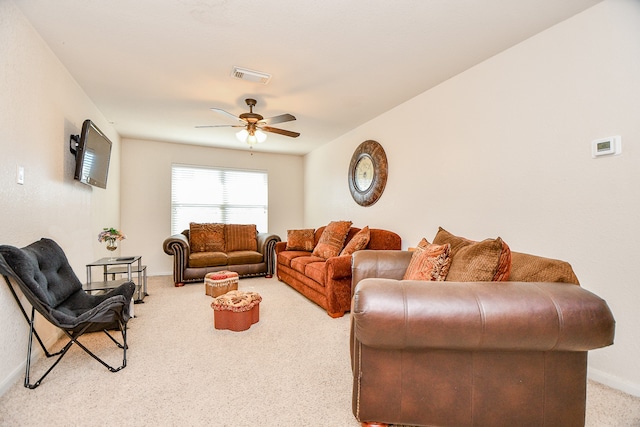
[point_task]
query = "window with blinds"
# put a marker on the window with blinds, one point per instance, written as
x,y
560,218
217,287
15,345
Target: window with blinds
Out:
x,y
203,194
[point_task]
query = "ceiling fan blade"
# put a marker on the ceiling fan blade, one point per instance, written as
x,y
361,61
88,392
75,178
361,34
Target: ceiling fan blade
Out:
x,y
226,113
220,126
278,119
280,131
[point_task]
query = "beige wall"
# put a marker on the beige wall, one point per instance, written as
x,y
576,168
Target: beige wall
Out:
x,y
146,192
40,107
504,149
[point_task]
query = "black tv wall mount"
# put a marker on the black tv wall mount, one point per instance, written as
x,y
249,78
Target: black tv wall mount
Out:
x,y
74,140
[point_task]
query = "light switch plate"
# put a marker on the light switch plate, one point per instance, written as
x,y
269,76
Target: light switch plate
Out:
x,y
20,175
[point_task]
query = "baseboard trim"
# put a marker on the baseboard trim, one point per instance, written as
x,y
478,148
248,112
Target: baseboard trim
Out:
x,y
18,373
614,382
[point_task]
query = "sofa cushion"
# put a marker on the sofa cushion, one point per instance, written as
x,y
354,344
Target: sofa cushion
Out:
x,y
299,264
285,257
244,257
317,271
241,237
429,262
300,240
357,242
207,259
332,239
489,260
206,237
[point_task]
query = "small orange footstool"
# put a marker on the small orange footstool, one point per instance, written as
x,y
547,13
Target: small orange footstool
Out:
x,y
236,310
220,282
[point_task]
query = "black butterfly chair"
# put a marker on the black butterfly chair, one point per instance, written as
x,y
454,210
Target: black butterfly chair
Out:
x,y
44,276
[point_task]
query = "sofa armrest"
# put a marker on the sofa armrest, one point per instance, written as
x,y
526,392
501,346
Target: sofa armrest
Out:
x,y
338,267
178,246
267,242
385,264
477,316
266,246
280,246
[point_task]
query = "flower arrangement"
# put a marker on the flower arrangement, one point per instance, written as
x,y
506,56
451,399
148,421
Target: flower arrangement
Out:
x,y
112,234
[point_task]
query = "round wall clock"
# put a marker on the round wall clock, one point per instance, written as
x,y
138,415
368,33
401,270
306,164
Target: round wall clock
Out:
x,y
368,173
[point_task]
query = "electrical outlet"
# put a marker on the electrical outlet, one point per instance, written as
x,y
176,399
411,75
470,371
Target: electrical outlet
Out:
x,y
20,175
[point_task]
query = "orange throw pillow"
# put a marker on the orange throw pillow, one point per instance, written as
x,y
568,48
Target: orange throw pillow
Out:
x,y
429,262
332,239
301,240
357,242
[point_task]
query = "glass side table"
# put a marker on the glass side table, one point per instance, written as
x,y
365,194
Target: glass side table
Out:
x,y
119,265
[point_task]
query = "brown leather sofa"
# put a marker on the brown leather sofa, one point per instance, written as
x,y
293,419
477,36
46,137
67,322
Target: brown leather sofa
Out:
x,y
327,282
240,248
494,354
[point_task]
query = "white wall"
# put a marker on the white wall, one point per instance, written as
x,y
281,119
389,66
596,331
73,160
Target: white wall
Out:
x,y
146,192
504,149
40,107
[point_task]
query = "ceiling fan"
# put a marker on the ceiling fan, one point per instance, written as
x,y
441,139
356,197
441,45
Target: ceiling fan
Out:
x,y
255,125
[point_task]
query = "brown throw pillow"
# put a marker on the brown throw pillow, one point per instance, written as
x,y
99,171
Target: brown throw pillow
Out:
x,y
357,242
332,239
489,260
531,268
429,262
241,237
301,240
206,237
456,242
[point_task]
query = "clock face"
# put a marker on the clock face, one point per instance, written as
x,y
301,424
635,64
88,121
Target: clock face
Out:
x,y
364,173
367,173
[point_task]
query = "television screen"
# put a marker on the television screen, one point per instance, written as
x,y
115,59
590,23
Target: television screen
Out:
x,y
92,156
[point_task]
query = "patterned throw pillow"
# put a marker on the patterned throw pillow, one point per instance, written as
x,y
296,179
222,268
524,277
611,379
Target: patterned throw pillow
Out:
x,y
357,242
332,239
241,237
301,240
207,237
429,262
486,261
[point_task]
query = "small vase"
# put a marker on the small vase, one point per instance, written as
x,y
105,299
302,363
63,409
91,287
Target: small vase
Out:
x,y
112,244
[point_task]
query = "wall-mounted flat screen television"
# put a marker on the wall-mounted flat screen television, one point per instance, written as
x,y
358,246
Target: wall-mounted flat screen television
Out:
x,y
93,153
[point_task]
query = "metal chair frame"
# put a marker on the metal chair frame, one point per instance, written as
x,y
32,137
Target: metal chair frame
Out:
x,y
72,334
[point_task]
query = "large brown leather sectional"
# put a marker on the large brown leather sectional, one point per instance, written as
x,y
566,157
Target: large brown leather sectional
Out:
x,y
327,282
508,353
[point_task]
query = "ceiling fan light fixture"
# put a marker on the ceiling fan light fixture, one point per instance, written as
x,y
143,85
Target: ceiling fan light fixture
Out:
x,y
261,136
242,135
251,138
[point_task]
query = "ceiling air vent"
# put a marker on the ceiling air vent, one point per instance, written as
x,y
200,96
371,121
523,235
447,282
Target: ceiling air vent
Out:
x,y
250,75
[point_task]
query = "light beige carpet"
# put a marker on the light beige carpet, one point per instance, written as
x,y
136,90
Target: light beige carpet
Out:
x,y
290,369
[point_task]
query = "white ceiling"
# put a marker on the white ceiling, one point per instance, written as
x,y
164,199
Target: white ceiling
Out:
x,y
155,67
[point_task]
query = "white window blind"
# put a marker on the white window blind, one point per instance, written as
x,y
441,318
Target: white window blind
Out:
x,y
203,194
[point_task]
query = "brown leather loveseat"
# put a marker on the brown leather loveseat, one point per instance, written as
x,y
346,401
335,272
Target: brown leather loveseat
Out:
x,y
510,353
210,247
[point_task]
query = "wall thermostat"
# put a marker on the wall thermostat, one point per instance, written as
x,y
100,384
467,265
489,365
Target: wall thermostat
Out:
x,y
606,146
